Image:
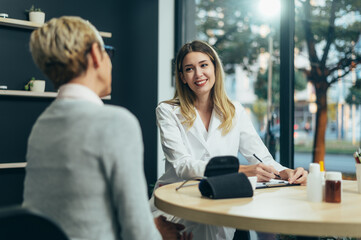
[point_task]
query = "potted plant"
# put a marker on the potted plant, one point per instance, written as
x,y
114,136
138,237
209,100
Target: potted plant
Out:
x,y
36,15
29,84
35,85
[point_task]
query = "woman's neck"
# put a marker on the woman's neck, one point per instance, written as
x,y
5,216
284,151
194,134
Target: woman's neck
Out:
x,y
204,104
204,108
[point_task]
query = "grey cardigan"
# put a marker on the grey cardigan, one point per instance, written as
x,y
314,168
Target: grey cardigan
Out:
x,y
85,171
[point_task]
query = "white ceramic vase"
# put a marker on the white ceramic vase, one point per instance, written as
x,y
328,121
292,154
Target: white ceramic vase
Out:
x,y
37,17
37,86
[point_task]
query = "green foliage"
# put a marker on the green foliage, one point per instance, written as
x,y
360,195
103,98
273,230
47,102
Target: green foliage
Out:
x,y
227,25
327,31
340,32
238,43
354,96
259,109
300,80
261,84
262,79
33,9
332,111
29,84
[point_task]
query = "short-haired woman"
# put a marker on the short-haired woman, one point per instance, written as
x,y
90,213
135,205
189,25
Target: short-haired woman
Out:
x,y
85,159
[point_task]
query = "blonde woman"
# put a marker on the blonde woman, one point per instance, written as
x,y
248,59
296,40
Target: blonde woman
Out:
x,y
85,159
200,122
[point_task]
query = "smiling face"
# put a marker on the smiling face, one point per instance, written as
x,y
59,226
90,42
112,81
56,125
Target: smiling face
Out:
x,y
198,72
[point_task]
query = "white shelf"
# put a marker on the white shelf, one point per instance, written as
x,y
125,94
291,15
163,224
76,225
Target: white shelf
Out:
x,y
11,22
27,93
12,165
34,94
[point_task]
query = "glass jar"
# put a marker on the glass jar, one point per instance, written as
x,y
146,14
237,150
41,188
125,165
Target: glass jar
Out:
x,y
333,187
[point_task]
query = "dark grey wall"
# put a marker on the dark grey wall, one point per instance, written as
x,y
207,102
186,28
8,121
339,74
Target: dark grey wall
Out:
x,y
134,25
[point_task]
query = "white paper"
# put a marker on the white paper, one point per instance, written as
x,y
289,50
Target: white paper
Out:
x,y
272,183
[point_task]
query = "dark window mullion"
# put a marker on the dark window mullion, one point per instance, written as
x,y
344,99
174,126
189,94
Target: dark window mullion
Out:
x,y
287,82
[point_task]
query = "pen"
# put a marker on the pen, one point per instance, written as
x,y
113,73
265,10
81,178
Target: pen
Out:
x,y
254,155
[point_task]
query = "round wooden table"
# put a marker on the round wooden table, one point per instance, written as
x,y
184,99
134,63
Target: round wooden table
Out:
x,y
282,210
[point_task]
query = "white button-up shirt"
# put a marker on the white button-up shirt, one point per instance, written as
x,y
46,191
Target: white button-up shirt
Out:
x,y
188,151
78,91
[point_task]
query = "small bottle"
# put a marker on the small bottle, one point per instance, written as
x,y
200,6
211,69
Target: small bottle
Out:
x,y
333,187
314,183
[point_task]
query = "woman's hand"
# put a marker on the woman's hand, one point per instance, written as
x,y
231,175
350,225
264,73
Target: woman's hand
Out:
x,y
263,172
298,175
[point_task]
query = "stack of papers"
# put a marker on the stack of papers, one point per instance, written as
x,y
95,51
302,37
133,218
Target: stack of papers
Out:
x,y
274,183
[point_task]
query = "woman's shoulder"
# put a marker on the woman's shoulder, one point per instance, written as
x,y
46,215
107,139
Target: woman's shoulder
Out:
x,y
168,105
164,104
123,115
168,110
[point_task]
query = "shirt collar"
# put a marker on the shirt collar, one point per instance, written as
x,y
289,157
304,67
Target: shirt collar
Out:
x,y
78,91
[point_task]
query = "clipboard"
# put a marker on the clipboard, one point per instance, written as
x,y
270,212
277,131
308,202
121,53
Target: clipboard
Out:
x,y
275,183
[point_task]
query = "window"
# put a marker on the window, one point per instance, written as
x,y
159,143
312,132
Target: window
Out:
x,y
327,111
326,78
246,36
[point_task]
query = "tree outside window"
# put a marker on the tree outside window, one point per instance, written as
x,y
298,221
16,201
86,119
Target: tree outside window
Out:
x,y
327,56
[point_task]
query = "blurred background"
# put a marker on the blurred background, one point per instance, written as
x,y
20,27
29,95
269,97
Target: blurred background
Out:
x,y
327,71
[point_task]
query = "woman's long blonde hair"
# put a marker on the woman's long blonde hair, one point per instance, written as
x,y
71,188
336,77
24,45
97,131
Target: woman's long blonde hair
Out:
x,y
185,97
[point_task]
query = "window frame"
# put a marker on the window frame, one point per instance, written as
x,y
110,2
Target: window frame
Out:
x,y
184,13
